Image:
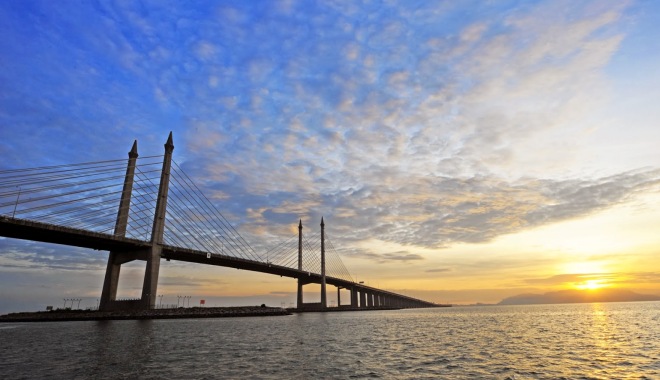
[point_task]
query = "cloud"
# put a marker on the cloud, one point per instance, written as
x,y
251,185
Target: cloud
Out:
x,y
563,279
616,278
283,293
436,212
27,256
440,211
439,270
381,258
427,148
648,278
188,281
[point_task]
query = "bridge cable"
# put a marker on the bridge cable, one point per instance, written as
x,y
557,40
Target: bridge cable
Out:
x,y
278,254
224,225
194,223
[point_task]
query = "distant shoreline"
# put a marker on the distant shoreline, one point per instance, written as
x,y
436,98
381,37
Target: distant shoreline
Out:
x,y
196,312
579,296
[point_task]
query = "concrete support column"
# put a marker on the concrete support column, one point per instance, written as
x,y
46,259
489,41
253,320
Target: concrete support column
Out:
x,y
150,286
363,299
338,296
324,299
111,280
299,301
370,299
354,297
300,265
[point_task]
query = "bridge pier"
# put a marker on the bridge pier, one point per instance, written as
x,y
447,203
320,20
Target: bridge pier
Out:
x,y
354,297
300,263
324,298
151,255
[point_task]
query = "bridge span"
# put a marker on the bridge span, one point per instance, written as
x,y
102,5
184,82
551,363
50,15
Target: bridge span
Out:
x,y
153,248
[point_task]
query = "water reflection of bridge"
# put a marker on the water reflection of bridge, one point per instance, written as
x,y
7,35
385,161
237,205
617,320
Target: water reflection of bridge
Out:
x,y
162,214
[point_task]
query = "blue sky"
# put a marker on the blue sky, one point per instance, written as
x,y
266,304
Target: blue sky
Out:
x,y
454,148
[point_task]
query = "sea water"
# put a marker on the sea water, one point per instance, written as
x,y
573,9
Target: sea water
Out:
x,y
577,341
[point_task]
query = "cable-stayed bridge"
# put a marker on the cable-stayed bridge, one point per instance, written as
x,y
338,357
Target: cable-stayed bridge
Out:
x,y
148,209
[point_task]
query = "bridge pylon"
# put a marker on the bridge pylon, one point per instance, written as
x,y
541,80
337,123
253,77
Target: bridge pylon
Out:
x,y
324,297
299,303
301,282
152,254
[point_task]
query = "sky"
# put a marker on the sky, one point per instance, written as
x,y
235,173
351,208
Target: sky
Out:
x,y
459,151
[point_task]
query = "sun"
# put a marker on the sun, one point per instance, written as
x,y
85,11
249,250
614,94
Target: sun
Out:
x,y
588,275
591,285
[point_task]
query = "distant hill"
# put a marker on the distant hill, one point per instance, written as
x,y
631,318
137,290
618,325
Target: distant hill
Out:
x,y
579,296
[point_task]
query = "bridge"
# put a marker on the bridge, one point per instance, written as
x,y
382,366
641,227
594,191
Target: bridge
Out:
x,y
162,214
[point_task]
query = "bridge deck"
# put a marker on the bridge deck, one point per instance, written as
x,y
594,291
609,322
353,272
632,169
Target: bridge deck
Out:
x,y
48,233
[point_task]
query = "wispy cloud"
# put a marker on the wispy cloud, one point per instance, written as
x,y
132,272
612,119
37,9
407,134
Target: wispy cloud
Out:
x,y
617,278
424,148
403,256
564,279
435,212
22,256
438,270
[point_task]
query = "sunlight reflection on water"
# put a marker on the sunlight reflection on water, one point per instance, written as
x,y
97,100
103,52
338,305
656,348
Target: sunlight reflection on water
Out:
x,y
596,341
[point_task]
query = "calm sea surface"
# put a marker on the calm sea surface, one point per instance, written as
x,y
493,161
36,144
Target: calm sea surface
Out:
x,y
583,341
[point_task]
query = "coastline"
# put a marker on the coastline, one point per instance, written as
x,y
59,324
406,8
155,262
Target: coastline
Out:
x,y
195,312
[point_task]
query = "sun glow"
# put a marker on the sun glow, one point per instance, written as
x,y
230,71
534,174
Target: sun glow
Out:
x,y
591,285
